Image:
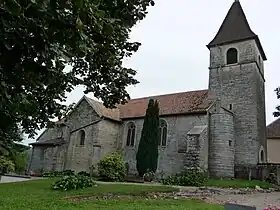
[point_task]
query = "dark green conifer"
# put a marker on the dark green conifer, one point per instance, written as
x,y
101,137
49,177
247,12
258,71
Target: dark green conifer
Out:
x,y
147,154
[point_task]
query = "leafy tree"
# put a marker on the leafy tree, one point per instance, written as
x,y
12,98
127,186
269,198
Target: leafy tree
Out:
x,y
20,160
40,38
277,112
147,154
8,140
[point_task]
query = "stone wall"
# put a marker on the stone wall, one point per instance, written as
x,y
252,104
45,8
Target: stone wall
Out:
x,y
71,155
241,87
172,157
80,157
36,160
100,138
273,153
221,143
197,150
108,136
204,149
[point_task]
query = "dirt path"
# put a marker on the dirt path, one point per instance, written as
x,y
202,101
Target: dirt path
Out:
x,y
260,200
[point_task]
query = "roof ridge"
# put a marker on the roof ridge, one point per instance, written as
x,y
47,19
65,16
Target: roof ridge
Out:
x,y
168,94
274,121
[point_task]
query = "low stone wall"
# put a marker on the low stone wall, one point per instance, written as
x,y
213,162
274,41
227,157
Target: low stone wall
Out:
x,y
259,172
13,178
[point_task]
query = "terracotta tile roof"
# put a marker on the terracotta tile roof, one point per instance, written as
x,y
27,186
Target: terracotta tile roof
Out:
x,y
176,103
273,129
235,27
101,110
170,104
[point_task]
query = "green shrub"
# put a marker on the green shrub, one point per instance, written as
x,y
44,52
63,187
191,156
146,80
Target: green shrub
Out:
x,y
271,178
73,182
189,177
68,172
112,168
149,176
51,174
58,173
6,165
83,173
20,160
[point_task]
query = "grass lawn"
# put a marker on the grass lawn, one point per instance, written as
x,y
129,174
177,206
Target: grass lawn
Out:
x,y
237,183
38,195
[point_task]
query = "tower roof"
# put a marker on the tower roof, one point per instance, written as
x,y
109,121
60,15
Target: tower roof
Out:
x,y
234,28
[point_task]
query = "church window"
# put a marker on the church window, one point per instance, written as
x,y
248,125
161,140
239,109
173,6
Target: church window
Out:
x,y
162,133
232,55
230,143
130,134
82,136
262,156
230,106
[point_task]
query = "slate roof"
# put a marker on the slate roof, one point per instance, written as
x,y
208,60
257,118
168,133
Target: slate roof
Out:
x,y
235,27
273,129
50,142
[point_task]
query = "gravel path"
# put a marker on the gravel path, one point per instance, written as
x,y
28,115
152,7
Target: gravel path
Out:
x,y
260,200
216,195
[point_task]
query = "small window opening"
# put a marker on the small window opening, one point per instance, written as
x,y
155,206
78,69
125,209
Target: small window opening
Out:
x,y
162,133
130,139
230,106
230,143
82,136
260,62
232,56
262,156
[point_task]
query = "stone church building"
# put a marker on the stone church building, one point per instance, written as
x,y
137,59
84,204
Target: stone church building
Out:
x,y
225,125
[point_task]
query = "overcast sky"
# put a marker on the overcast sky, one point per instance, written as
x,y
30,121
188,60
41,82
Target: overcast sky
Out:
x,y
174,57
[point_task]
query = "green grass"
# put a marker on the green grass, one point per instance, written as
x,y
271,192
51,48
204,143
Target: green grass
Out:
x,y
38,195
237,183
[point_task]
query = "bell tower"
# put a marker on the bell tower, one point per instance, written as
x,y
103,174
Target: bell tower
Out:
x,y
236,78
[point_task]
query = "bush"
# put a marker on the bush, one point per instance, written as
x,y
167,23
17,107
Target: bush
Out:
x,y
271,178
68,172
83,173
73,182
58,173
112,168
189,177
149,176
20,160
6,165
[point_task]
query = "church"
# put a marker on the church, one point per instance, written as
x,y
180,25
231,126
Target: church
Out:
x,y
223,126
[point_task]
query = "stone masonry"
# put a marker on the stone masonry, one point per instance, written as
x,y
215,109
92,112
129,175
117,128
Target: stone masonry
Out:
x,y
219,129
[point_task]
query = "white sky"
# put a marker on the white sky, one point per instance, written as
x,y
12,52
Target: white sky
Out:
x,y
174,57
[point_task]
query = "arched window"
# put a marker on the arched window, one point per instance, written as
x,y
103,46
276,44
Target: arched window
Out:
x,y
130,134
262,156
162,133
82,136
232,55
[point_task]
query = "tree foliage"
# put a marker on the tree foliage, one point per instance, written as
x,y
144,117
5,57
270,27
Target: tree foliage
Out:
x,y
277,112
147,154
20,159
40,38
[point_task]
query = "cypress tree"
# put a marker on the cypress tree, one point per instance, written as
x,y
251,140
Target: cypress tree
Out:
x,y
147,154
